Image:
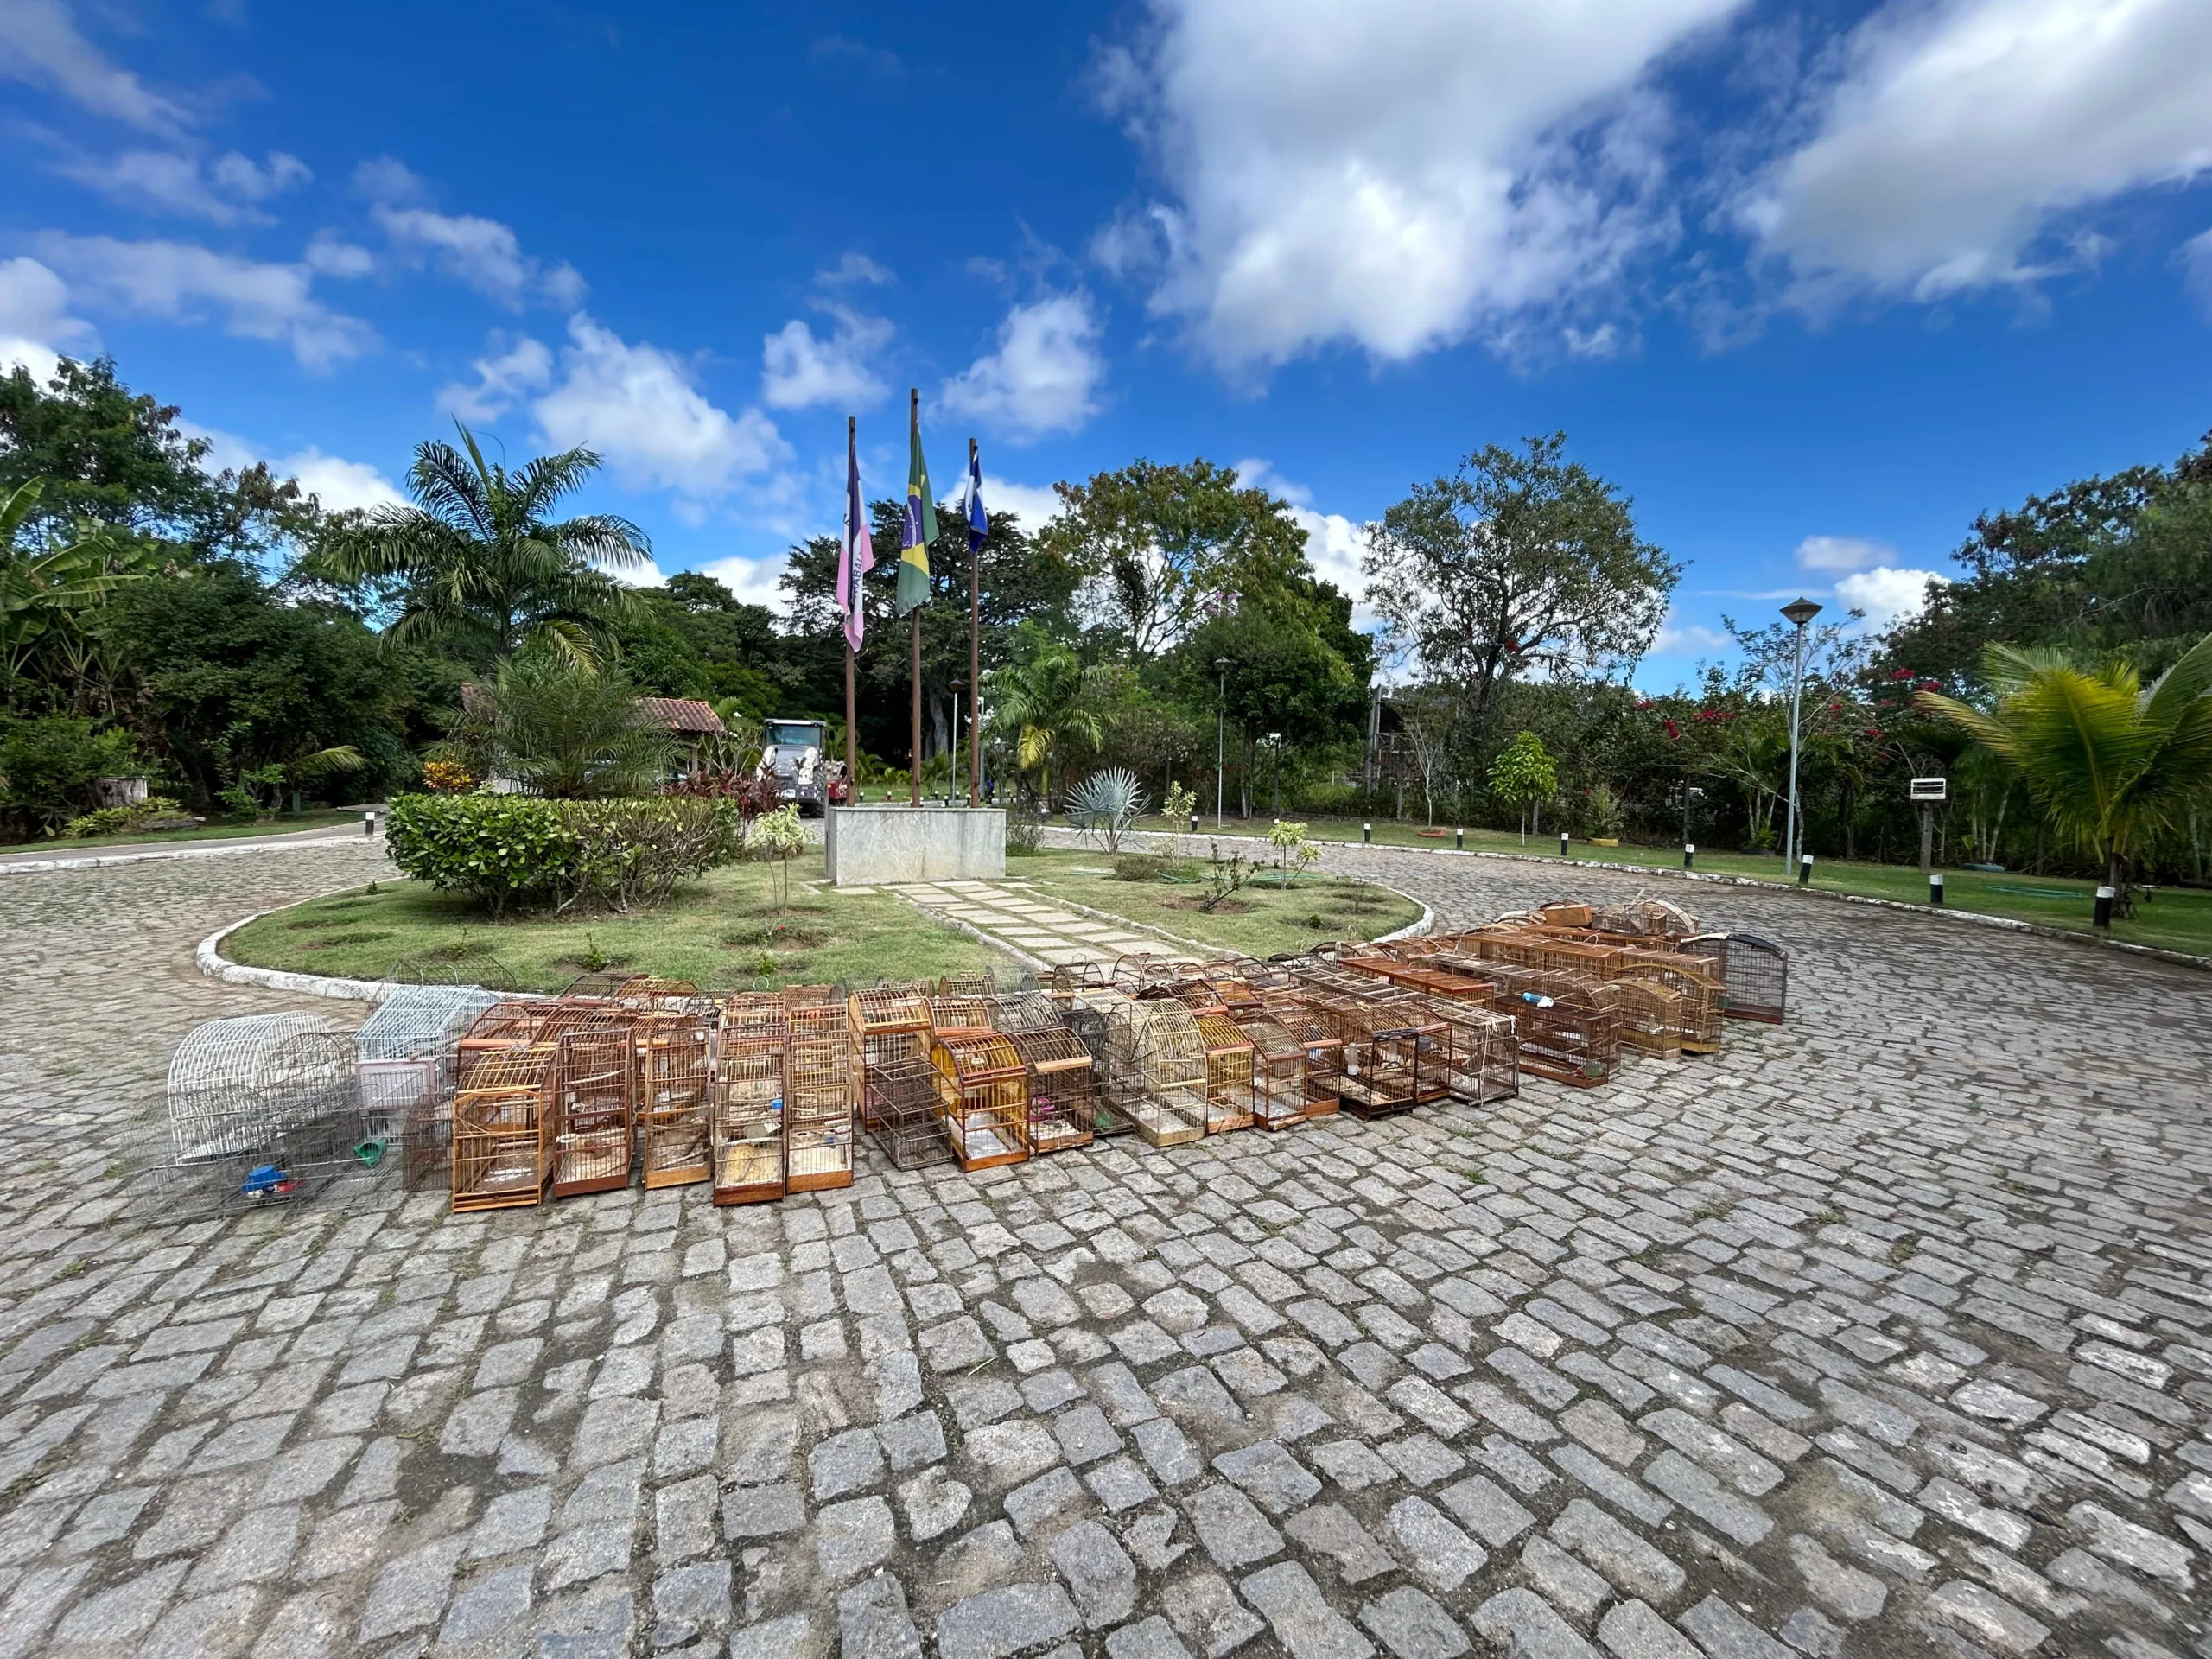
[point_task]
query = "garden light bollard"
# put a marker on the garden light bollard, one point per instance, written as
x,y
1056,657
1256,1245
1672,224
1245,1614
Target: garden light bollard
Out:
x,y
2104,906
1563,844
1805,870
1935,888
1194,820
1366,832
1460,840
1689,855
369,825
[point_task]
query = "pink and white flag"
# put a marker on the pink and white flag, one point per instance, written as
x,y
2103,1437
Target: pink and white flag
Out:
x,y
855,549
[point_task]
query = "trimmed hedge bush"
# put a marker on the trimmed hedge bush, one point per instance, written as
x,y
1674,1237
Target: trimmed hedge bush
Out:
x,y
519,849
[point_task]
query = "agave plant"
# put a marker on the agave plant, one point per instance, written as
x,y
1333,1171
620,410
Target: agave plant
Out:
x,y
1106,804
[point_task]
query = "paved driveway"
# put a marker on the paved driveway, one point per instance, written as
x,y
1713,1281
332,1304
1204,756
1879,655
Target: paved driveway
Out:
x,y
1883,1333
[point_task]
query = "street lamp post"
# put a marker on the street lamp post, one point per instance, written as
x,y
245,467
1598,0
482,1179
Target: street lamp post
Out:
x,y
1798,612
1274,744
959,686
1220,735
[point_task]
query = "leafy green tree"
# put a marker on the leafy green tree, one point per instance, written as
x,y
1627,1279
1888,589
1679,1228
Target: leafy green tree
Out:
x,y
476,565
1518,561
1525,776
2112,763
47,766
1160,548
43,588
565,728
1044,699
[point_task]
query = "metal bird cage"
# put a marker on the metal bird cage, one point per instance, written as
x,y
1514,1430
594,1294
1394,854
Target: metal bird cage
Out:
x,y
603,987
1089,1017
1063,1088
979,983
264,1110
479,971
901,1113
819,1102
1700,998
409,1050
746,1129
673,1089
1754,974
1157,1043
504,1109
1279,1069
1231,1102
983,1096
1569,1032
594,1102
1479,1052
1068,980
1392,1061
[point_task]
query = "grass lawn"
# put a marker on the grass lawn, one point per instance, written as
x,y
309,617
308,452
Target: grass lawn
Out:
x,y
1265,921
335,819
2174,919
721,934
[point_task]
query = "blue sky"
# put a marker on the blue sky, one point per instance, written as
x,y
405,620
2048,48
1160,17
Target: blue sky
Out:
x,y
1813,283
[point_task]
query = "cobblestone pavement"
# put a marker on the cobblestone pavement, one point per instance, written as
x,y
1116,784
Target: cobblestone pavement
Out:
x,y
1883,1333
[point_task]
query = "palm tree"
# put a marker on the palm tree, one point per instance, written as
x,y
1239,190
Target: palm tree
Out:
x,y
567,729
1041,700
481,566
2112,763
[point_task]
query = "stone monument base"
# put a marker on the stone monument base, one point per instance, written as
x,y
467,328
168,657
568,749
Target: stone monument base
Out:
x,y
867,846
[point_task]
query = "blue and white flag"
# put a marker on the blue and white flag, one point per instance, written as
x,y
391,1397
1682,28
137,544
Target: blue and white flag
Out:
x,y
971,500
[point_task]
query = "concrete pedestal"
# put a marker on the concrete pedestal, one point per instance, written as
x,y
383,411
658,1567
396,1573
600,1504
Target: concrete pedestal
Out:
x,y
866,846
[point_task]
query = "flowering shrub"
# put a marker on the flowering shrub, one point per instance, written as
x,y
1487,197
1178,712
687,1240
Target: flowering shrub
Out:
x,y
446,778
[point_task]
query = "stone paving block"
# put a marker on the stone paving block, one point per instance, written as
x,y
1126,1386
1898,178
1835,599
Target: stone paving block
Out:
x,y
1727,1634
1300,1615
1621,1554
1413,1626
1631,1629
1231,1531
1522,1623
1099,1574
1149,1638
1006,1621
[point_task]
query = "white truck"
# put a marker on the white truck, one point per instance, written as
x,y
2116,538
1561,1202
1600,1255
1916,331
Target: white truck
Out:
x,y
793,756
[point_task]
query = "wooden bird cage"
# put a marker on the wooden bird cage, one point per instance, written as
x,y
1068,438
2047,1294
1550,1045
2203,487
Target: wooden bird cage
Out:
x,y
1157,1044
1091,1019
979,983
1650,921
1231,1101
890,1022
819,1099
1479,1052
673,1109
900,1112
1700,998
1754,974
1278,1070
1565,915
503,1116
1424,977
983,1096
1063,1088
597,987
1068,980
962,1015
1392,1061
1649,1016
811,996
592,1131
751,1047
1569,1030
1324,1048
1553,955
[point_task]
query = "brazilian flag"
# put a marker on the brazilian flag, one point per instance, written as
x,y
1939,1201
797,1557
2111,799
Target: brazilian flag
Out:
x,y
920,527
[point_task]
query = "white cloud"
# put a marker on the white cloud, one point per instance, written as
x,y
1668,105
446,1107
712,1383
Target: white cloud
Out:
x,y
2196,257
39,45
36,326
1032,506
1961,133
852,269
753,580
1678,637
636,405
329,254
1334,544
481,252
1044,377
1827,553
1886,594
180,282
338,483
1398,174
503,374
227,194
388,179
799,371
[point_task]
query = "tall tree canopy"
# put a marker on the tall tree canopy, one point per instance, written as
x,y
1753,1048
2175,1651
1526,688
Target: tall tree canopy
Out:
x,y
1518,562
478,565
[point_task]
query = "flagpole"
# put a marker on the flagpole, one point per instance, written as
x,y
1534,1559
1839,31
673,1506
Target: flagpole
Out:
x,y
975,657
914,622
853,604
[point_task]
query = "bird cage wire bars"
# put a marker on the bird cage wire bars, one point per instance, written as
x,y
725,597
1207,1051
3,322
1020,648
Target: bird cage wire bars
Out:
x,y
1565,1034
979,983
1063,1088
1325,1056
1231,1100
472,970
1479,1052
409,1050
1701,1001
1068,980
502,1111
819,1104
1089,1016
1391,1062
1158,1044
262,1109
673,1079
890,1022
965,1015
1650,1015
1754,974
982,1092
594,1104
902,1113
1279,1096
746,1129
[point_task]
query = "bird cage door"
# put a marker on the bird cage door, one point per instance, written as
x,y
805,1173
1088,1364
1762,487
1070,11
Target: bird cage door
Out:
x,y
818,1109
595,1099
672,1100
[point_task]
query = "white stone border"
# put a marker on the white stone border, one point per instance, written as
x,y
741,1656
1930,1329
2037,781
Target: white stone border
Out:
x,y
216,965
218,849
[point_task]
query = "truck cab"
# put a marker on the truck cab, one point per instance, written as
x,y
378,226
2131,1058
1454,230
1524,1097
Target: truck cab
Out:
x,y
793,754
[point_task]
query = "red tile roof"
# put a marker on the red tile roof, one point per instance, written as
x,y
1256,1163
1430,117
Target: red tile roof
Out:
x,y
687,715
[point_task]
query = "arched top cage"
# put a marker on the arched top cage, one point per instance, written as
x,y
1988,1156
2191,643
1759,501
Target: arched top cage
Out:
x,y
1024,1011
234,1055
1754,973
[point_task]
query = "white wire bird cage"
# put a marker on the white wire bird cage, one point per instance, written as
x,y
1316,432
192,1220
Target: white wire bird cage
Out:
x,y
409,1050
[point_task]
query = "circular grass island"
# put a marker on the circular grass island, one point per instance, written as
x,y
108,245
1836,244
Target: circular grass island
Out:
x,y
726,933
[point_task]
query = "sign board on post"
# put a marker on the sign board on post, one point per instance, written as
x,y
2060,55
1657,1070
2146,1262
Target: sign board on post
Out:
x,y
1928,793
1933,790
